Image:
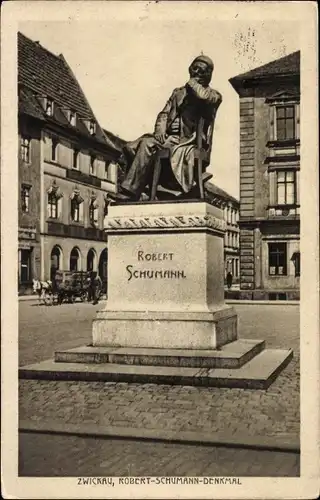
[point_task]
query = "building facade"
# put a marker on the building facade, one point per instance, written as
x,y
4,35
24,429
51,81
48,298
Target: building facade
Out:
x,y
230,206
269,179
67,167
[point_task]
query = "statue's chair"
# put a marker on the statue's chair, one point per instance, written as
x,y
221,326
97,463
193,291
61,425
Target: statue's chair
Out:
x,y
201,162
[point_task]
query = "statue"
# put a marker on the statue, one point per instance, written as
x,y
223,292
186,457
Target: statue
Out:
x,y
175,129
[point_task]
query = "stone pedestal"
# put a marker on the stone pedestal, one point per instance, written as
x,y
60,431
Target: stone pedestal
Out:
x,y
165,278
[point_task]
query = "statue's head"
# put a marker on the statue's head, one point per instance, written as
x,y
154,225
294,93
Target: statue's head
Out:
x,y
201,69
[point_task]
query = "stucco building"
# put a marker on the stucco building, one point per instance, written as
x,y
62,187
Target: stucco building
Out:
x,y
269,179
67,166
230,206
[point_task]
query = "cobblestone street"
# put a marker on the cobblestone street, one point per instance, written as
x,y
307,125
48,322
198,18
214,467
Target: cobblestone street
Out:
x,y
273,413
78,456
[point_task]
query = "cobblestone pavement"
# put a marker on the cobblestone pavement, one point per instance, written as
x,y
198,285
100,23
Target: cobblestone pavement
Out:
x,y
54,455
272,413
44,329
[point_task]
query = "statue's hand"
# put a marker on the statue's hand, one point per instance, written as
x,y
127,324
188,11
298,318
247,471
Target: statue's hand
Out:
x,y
160,137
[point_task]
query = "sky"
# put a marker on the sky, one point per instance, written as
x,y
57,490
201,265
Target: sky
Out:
x,y
128,68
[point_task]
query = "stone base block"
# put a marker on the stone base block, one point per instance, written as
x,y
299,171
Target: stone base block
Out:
x,y
259,373
180,330
232,355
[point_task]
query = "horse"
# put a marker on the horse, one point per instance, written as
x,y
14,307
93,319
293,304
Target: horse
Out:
x,y
44,291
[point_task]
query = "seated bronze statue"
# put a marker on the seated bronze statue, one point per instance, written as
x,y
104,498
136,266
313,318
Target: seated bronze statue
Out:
x,y
176,130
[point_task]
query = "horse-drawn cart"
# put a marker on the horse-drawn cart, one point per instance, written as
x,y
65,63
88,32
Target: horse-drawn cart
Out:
x,y
71,285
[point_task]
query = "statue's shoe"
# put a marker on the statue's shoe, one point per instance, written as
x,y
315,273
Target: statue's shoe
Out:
x,y
206,177
123,195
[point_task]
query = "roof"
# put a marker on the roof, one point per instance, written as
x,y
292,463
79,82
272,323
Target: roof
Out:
x,y
44,74
285,66
220,193
115,139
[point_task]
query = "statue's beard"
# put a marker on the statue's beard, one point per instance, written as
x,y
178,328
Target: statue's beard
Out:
x,y
203,79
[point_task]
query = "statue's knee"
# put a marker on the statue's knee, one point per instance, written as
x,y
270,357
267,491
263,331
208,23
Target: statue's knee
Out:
x,y
148,143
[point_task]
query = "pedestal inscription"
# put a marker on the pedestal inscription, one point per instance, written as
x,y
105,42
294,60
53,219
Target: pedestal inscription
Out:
x,y
165,285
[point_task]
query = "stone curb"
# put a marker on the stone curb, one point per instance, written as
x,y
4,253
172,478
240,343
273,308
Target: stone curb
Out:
x,y
24,298
265,302
187,437
228,301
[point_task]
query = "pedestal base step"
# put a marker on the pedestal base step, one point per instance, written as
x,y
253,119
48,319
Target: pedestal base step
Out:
x,y
232,355
258,373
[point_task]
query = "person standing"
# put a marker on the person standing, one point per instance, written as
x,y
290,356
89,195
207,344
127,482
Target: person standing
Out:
x,y
96,287
229,280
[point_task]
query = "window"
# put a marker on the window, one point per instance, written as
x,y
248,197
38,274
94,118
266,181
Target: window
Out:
x,y
285,123
76,206
49,107
107,170
91,260
92,127
25,149
75,163
52,206
286,187
54,147
72,118
93,213
277,259
75,210
56,258
228,215
92,165
25,198
74,259
25,265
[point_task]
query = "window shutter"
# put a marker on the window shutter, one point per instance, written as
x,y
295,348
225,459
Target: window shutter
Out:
x,y
48,207
297,121
96,215
271,123
47,146
60,203
81,212
298,187
272,188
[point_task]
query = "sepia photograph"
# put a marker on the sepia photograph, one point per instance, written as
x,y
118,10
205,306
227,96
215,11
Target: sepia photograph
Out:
x,y
161,341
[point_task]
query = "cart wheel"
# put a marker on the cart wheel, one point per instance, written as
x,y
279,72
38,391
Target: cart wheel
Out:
x,y
83,296
48,300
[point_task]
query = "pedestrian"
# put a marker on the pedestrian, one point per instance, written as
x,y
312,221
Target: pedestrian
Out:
x,y
90,286
96,288
229,280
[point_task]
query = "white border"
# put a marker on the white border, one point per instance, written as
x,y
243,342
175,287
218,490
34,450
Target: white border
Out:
x,y
307,486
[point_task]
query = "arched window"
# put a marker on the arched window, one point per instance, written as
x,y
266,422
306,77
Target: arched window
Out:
x,y
103,267
91,260
75,259
56,261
